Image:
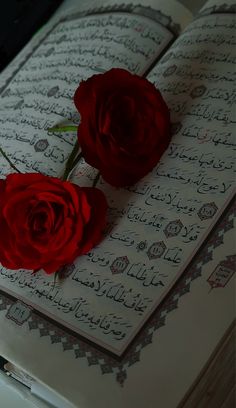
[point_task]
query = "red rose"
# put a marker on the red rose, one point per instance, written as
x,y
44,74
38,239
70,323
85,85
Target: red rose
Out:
x,y
46,223
125,125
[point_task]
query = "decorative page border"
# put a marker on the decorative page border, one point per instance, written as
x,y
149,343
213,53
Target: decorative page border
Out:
x,y
217,9
140,10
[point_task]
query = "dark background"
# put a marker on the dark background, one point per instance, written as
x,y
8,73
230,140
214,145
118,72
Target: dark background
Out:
x,y
19,20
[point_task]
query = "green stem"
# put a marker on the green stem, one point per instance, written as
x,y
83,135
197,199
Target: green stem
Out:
x,y
72,160
62,129
95,181
9,161
74,156
77,159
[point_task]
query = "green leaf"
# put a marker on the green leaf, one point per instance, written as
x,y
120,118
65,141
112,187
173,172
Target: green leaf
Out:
x,y
62,129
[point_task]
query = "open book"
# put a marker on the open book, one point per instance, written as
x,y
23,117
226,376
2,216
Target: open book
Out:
x,y
156,227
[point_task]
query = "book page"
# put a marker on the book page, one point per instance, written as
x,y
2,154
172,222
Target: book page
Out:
x,y
156,226
40,95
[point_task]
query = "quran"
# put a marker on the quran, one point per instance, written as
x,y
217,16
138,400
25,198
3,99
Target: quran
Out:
x,y
157,227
